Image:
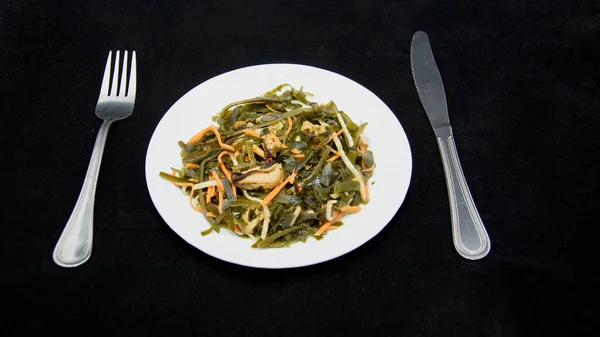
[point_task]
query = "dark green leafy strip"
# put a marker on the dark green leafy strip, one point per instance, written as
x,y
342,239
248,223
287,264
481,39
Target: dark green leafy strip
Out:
x,y
228,189
284,198
276,89
321,193
346,186
190,172
300,165
219,218
228,219
286,221
198,156
328,175
273,237
250,153
238,221
306,216
289,163
257,100
349,123
173,178
282,116
369,162
300,95
297,139
356,134
316,170
329,109
353,154
232,118
243,202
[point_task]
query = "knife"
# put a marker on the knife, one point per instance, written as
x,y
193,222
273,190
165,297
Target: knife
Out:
x,y
469,235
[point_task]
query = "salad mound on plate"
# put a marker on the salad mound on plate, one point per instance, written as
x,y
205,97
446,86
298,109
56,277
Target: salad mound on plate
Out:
x,y
276,168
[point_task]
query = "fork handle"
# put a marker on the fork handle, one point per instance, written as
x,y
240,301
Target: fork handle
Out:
x,y
74,246
469,235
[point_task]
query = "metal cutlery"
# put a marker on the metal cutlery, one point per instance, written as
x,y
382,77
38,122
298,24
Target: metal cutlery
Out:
x,y
469,235
116,102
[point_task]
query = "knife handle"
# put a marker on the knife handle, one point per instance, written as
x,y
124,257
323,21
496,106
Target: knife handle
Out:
x,y
469,235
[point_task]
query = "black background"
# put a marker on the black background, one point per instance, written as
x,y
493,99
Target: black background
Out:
x,y
521,80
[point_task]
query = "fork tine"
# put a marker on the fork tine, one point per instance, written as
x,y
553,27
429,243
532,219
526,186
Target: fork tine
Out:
x,y
115,78
123,75
106,77
132,78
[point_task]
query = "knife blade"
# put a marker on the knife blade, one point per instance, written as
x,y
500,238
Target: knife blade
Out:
x,y
469,235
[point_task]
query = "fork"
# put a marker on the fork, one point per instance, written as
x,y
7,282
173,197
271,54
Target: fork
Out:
x,y
74,247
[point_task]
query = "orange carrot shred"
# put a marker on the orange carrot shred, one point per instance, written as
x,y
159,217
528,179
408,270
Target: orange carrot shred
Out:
x,y
276,190
334,134
221,200
252,133
191,165
369,169
222,165
225,171
362,150
326,225
336,156
210,193
192,204
350,209
268,107
182,184
212,128
289,128
220,187
237,124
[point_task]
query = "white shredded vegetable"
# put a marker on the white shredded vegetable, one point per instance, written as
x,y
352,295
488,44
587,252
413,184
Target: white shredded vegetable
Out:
x,y
348,137
204,184
195,202
258,151
266,214
249,197
235,162
302,104
357,175
296,213
328,214
265,227
220,202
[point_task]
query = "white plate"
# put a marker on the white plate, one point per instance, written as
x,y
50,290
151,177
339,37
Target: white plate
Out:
x,y
193,112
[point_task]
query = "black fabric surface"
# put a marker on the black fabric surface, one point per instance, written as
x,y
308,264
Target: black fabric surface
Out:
x,y
521,80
